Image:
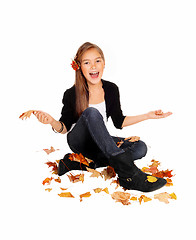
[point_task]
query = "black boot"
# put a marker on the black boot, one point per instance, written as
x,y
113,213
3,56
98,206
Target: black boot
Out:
x,y
130,176
66,165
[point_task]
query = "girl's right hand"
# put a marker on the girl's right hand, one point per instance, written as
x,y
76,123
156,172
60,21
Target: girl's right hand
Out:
x,y
43,117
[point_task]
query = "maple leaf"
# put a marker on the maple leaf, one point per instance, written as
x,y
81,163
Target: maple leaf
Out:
x,y
151,179
121,197
76,178
95,173
47,180
27,114
108,173
169,182
58,180
53,165
163,197
144,198
66,194
87,194
79,158
48,151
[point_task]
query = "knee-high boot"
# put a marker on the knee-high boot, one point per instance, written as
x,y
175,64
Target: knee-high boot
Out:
x,y
130,176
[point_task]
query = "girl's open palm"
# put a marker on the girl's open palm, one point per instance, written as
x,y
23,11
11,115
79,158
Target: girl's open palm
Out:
x,y
158,114
43,117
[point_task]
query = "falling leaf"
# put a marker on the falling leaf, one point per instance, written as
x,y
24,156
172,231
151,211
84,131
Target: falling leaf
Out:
x,y
76,178
87,194
48,151
163,197
151,179
95,173
144,198
108,173
47,180
173,196
66,194
121,197
27,114
48,189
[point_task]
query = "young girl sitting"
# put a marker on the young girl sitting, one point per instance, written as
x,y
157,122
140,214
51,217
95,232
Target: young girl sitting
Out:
x,y
87,106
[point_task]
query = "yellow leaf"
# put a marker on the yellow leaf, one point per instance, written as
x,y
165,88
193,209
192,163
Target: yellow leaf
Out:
x,y
97,190
133,198
106,190
173,196
87,194
48,189
151,179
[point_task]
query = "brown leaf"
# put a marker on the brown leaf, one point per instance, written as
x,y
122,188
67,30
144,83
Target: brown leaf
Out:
x,y
95,173
66,194
76,178
108,173
121,197
26,115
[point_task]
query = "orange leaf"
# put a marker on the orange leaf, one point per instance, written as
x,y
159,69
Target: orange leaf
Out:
x,y
108,173
95,173
169,182
26,115
76,178
79,158
144,198
105,190
63,189
47,180
48,189
48,151
66,194
87,194
58,180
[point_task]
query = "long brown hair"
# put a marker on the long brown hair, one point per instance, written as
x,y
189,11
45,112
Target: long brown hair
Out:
x,y
81,86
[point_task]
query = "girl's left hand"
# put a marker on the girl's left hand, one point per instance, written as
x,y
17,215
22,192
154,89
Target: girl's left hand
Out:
x,y
158,114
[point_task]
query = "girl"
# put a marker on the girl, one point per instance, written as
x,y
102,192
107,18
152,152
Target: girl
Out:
x,y
87,106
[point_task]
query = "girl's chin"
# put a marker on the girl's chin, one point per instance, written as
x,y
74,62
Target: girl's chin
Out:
x,y
94,81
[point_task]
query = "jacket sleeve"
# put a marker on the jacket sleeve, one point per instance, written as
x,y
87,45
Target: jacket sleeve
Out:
x,y
116,112
68,110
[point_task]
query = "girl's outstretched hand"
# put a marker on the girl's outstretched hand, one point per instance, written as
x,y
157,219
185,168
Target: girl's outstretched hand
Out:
x,y
158,114
43,117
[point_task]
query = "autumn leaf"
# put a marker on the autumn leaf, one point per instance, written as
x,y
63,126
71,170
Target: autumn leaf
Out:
x,y
95,173
144,198
27,114
163,197
97,190
66,194
87,194
48,189
53,165
63,189
173,196
151,179
58,180
169,182
108,173
132,139
79,158
122,197
76,178
48,151
47,180
105,190
133,198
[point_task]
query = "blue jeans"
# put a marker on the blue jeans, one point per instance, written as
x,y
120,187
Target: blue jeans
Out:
x,y
91,138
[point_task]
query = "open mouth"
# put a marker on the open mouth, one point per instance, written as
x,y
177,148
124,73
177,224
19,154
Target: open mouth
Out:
x,y
94,74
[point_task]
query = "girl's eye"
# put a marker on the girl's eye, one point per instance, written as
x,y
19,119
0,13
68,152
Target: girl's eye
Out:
x,y
86,62
99,60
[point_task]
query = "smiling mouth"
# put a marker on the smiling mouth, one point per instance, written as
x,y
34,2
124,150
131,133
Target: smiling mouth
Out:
x,y
94,74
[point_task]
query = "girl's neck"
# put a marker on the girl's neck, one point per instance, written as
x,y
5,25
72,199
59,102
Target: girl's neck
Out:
x,y
95,87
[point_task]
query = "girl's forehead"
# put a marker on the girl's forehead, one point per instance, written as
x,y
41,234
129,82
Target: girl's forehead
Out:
x,y
91,54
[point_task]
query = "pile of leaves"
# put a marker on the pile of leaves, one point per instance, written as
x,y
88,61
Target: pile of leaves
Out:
x,y
123,196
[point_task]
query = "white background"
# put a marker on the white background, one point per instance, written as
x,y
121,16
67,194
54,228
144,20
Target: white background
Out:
x,y
150,52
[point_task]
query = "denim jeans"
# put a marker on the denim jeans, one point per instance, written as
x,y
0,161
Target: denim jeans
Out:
x,y
91,138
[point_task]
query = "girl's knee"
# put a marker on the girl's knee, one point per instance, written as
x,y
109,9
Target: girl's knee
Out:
x,y
142,148
91,112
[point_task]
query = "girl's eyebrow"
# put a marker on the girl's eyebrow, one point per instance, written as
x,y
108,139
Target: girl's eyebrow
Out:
x,y
89,59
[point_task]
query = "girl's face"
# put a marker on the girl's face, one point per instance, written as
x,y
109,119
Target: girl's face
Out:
x,y
92,66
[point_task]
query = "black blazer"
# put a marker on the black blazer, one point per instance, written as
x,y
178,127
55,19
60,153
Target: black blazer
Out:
x,y
112,99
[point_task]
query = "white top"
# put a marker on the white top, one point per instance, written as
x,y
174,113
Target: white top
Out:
x,y
101,107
